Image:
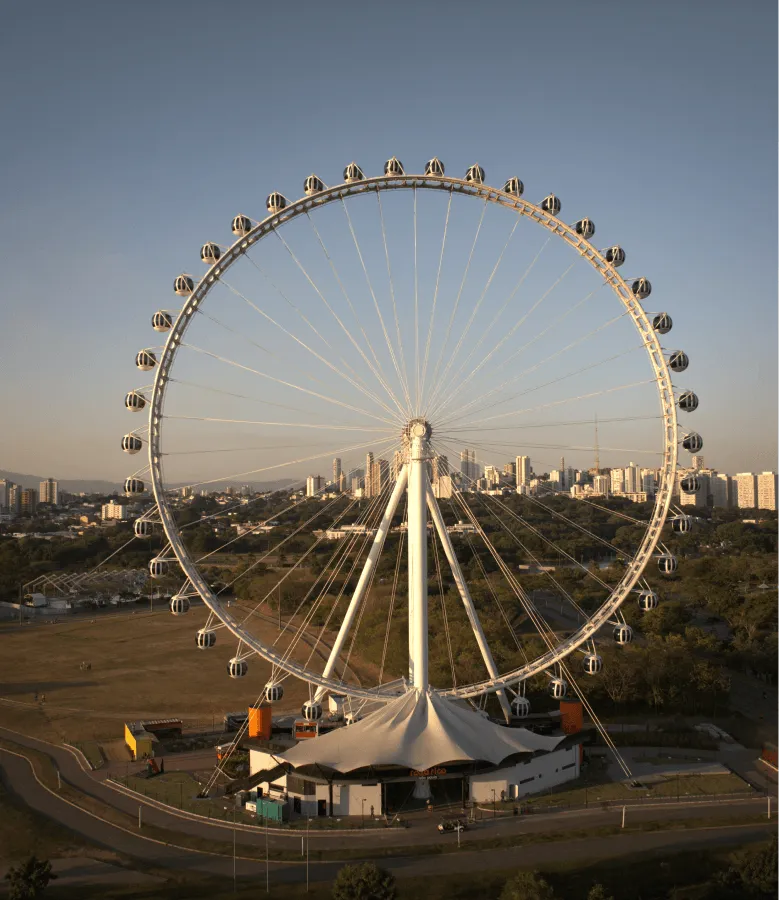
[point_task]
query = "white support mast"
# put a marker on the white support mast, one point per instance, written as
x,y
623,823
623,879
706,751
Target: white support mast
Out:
x,y
419,434
365,577
465,594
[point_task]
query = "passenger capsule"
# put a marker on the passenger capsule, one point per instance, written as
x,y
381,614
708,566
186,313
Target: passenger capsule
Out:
x,y
237,668
131,443
592,664
688,401
134,401
273,692
434,167
145,360
161,321
241,226
179,605
520,706
682,524
313,185
475,174
134,486
551,205
667,564
210,253
678,361
558,688
276,202
158,568
514,187
205,639
623,634
690,484
662,323
585,228
143,528
311,711
351,718
393,167
647,600
693,442
183,285
641,288
353,173
615,256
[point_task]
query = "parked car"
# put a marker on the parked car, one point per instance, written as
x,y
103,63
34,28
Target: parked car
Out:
x,y
452,825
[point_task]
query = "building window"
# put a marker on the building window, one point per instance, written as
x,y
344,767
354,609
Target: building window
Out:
x,y
569,766
525,780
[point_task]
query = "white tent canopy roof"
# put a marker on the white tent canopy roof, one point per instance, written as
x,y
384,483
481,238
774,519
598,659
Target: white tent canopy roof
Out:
x,y
418,730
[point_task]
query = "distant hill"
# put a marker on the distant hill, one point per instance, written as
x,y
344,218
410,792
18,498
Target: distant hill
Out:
x,y
95,486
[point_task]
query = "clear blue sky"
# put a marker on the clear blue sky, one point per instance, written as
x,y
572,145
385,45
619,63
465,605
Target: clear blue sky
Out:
x,y
132,132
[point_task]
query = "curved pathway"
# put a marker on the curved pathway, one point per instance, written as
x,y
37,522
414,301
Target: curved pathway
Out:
x,y
17,774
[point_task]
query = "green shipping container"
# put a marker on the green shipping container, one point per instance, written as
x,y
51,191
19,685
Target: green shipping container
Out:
x,y
270,809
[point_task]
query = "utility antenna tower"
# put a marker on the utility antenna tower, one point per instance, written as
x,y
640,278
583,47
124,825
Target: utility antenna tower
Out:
x,y
597,448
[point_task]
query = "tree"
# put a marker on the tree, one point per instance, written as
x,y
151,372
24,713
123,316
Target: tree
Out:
x,y
29,879
598,892
527,886
364,881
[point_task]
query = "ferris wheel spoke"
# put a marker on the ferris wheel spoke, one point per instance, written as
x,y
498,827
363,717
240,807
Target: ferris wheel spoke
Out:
x,y
383,444
366,576
465,596
517,412
547,359
378,374
457,301
480,365
501,310
439,390
390,348
300,342
403,367
286,383
435,296
580,340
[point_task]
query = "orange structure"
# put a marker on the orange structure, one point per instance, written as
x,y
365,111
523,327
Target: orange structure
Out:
x,y
571,716
260,720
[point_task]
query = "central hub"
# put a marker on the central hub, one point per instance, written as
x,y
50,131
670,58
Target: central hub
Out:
x,y
419,428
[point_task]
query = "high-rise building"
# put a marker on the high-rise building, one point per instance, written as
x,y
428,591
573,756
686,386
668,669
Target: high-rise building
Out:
x,y
632,479
492,476
113,511
766,490
442,487
440,467
397,465
746,487
378,478
337,473
601,485
721,491
14,498
49,492
617,481
357,483
522,470
469,468
697,463
314,485
6,488
28,502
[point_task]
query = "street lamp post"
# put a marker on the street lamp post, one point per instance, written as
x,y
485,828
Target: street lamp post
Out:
x,y
362,811
235,889
308,823
494,807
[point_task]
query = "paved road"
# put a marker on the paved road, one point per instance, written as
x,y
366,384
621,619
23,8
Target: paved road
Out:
x,y
17,775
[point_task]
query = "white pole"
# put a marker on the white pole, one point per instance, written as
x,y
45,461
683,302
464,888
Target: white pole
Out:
x,y
417,555
769,807
139,818
623,816
235,889
365,578
470,609
59,788
267,860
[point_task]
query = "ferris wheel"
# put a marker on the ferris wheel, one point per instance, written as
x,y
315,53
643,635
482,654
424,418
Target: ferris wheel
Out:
x,y
414,331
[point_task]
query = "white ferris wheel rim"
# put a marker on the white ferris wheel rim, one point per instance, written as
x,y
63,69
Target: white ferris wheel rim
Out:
x,y
554,226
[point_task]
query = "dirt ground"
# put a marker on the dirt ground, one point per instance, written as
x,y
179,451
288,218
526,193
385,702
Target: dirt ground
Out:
x,y
142,666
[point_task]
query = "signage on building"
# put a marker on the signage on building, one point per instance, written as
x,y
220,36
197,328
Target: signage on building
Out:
x,y
427,773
